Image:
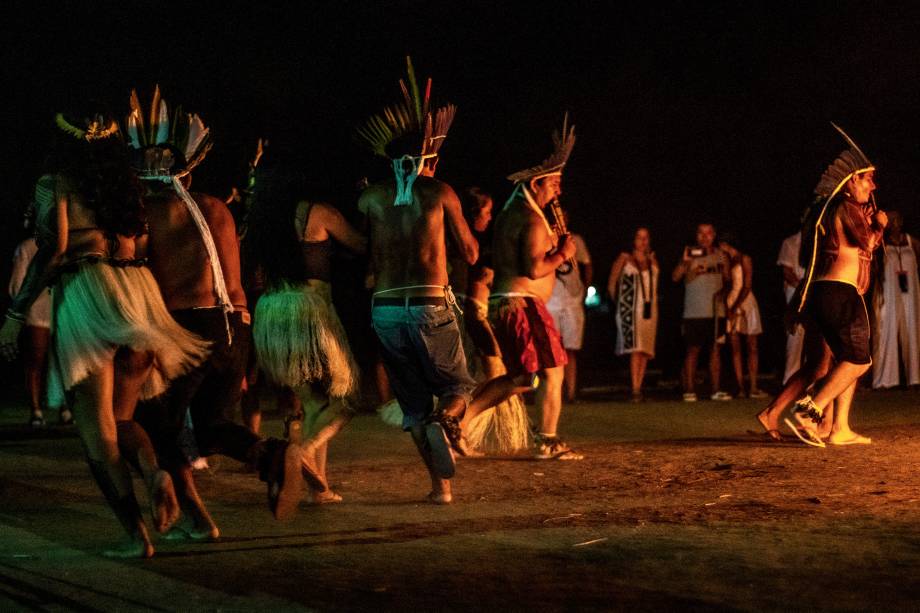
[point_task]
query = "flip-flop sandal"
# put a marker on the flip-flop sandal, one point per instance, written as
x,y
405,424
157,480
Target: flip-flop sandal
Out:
x,y
442,457
856,440
805,435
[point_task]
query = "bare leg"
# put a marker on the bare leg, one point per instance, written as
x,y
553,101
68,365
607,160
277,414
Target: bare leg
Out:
x,y
322,429
841,433
715,367
96,425
382,381
249,403
493,392
817,364
197,524
36,359
840,379
693,354
753,361
440,488
549,399
571,375
735,341
131,371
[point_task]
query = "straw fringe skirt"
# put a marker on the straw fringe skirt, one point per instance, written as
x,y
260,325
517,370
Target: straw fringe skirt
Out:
x,y
99,307
299,339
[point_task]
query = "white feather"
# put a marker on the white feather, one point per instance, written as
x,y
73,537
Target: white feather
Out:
x,y
162,125
133,129
196,135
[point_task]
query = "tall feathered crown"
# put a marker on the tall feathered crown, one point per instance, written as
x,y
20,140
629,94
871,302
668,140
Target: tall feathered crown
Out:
x,y
413,115
553,165
165,145
850,162
95,129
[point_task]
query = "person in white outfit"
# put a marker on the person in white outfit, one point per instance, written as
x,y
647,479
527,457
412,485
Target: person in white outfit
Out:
x,y
793,272
633,287
896,302
743,318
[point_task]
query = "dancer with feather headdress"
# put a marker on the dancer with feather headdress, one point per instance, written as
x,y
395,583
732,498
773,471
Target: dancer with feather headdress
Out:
x,y
842,229
527,254
194,255
413,310
113,340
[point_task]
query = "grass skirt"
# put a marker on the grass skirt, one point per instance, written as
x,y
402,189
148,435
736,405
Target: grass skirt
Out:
x,y
98,308
299,339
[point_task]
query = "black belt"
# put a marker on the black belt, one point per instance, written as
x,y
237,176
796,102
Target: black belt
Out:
x,y
411,301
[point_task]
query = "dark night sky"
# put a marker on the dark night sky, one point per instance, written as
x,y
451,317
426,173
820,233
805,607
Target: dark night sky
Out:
x,y
684,111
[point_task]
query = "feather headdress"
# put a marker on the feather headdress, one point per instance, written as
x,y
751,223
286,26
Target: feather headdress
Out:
x,y
553,165
166,144
412,116
849,163
96,128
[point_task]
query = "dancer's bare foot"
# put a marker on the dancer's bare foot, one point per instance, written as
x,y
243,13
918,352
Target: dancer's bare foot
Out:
x,y
771,428
327,497
311,473
187,530
440,498
848,438
133,547
164,504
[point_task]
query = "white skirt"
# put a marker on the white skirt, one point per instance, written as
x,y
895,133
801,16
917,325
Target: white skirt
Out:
x,y
99,307
747,320
299,339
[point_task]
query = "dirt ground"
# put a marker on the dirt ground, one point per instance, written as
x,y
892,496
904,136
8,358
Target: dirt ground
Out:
x,y
676,506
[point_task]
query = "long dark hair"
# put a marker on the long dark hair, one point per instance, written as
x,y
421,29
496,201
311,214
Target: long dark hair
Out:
x,y
98,172
271,242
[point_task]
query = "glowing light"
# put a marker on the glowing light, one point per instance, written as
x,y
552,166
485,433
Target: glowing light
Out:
x,y
592,299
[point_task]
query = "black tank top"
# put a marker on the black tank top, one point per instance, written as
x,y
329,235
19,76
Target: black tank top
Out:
x,y
317,259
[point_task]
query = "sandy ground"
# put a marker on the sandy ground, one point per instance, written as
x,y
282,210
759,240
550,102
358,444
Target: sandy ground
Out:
x,y
676,506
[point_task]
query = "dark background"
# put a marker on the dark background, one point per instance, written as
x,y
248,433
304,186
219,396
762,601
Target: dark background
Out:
x,y
685,111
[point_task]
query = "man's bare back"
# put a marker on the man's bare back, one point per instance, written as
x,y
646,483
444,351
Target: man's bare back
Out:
x,y
522,242
408,246
177,254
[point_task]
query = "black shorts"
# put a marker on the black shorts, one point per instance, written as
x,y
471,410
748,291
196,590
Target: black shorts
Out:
x,y
840,314
701,331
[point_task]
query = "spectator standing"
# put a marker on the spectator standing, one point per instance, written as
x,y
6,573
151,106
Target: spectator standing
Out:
x,y
704,271
793,272
567,306
897,309
633,288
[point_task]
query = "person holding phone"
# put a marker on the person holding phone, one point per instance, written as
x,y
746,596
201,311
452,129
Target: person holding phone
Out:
x,y
704,271
896,302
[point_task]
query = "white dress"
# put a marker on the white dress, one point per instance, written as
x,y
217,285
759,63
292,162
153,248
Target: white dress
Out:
x,y
897,316
747,319
635,332
789,256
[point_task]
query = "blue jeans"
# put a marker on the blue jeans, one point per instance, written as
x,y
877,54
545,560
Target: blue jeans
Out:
x,y
423,355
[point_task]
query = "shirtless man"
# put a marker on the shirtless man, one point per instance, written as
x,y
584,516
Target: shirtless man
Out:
x,y
194,256
526,255
413,309
850,229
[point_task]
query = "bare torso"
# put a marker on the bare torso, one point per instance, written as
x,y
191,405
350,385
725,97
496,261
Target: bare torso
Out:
x,y
407,242
517,228
177,253
83,237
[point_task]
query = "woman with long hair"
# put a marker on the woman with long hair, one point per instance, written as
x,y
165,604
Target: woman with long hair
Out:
x,y
113,339
633,287
299,340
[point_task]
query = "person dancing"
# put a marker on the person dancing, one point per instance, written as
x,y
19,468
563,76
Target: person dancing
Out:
x,y
300,342
114,341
